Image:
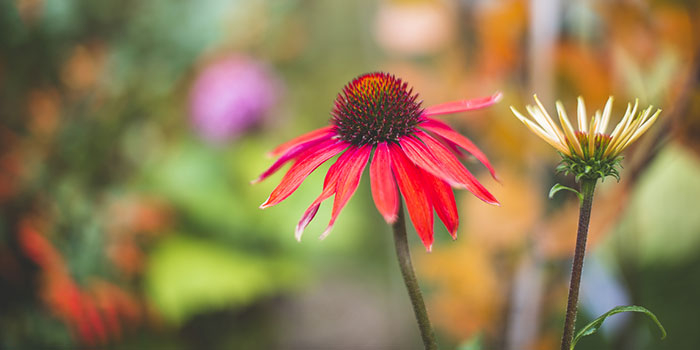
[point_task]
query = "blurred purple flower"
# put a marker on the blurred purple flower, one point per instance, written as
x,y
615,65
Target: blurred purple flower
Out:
x,y
231,95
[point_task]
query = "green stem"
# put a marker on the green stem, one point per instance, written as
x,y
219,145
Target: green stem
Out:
x,y
403,254
587,189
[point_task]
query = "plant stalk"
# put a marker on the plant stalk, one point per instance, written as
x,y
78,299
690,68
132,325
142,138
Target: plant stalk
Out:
x,y
587,189
403,255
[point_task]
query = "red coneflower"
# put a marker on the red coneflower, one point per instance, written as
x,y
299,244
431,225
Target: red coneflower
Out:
x,y
378,113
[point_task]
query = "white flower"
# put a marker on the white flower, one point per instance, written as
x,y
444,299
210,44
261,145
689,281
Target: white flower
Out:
x,y
591,140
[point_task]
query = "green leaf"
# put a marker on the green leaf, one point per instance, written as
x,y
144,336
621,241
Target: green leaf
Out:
x,y
558,187
595,324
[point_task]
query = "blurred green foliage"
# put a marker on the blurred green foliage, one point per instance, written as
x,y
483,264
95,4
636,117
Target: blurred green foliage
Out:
x,y
187,276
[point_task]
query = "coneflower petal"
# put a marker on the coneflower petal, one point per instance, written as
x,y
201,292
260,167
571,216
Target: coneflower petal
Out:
x,y
606,116
629,111
301,168
626,131
550,121
383,185
626,134
582,117
618,127
446,132
412,188
309,215
591,135
348,180
290,154
462,105
542,122
316,134
642,129
569,129
551,140
434,158
443,200
458,151
624,122
329,186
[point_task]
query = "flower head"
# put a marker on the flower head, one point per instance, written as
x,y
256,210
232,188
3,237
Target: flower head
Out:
x,y
231,95
589,152
378,116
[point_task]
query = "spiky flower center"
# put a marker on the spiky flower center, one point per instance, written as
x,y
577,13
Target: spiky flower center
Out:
x,y
374,108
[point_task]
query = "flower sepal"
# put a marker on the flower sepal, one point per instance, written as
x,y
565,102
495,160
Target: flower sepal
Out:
x,y
590,169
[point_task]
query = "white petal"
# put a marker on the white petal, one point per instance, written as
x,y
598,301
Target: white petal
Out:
x,y
642,129
581,109
557,132
541,120
568,129
606,116
540,132
614,137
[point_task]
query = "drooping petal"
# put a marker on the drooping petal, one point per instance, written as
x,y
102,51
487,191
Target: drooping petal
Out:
x,y
306,218
422,157
459,152
446,132
302,167
443,200
316,134
329,185
383,185
290,154
462,105
347,183
434,158
412,188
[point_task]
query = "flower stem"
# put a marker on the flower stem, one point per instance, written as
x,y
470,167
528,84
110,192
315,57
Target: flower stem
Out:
x,y
403,254
587,189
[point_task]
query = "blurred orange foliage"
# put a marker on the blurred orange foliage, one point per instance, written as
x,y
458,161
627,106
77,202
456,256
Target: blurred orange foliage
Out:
x,y
94,313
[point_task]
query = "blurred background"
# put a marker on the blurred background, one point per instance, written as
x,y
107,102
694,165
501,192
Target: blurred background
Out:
x,y
129,132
